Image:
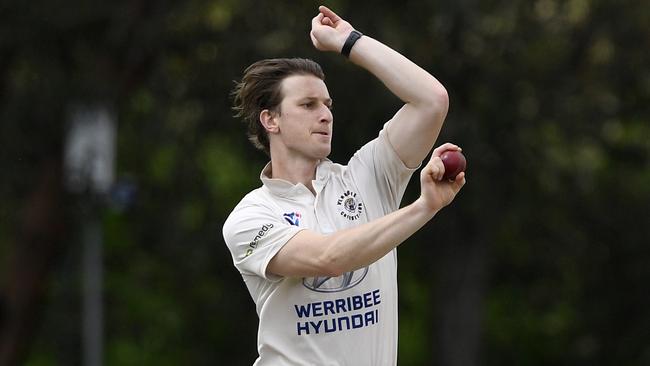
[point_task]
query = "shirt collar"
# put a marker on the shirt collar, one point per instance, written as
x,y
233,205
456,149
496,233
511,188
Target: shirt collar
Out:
x,y
285,188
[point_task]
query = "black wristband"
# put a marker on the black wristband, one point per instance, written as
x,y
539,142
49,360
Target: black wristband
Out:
x,y
352,39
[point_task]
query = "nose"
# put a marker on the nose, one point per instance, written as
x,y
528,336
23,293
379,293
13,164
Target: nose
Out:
x,y
326,114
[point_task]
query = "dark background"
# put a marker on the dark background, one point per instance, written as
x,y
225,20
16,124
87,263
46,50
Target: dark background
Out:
x,y
541,260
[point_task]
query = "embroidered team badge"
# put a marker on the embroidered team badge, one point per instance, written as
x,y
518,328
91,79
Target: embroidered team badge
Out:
x,y
293,218
349,206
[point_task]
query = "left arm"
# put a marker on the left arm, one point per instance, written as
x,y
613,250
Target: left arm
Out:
x,y
415,127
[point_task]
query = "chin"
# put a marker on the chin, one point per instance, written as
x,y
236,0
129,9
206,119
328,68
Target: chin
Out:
x,y
322,154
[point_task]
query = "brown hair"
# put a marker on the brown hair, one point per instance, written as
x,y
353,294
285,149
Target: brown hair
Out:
x,y
260,89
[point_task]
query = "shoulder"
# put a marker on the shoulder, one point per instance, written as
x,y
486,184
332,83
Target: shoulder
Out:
x,y
251,213
258,199
257,196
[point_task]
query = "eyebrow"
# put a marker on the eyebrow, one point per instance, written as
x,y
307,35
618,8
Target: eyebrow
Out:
x,y
326,100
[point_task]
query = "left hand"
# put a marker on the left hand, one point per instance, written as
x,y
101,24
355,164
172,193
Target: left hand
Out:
x,y
329,31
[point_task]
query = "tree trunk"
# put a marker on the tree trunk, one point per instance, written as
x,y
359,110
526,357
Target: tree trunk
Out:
x,y
461,290
38,240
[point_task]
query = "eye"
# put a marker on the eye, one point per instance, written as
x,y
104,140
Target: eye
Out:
x,y
308,105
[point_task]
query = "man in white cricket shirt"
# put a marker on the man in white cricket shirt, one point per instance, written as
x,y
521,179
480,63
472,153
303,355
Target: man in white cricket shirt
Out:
x,y
316,243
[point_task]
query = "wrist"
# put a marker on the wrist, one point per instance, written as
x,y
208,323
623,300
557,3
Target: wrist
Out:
x,y
352,38
423,209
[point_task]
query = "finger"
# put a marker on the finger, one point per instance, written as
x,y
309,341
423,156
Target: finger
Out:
x,y
435,169
447,146
328,21
329,13
316,21
459,182
440,168
444,147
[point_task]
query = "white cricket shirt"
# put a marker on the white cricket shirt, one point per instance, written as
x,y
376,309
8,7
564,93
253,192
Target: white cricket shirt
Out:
x,y
347,320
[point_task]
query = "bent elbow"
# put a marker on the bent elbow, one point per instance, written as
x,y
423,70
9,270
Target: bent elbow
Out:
x,y
433,103
438,101
443,99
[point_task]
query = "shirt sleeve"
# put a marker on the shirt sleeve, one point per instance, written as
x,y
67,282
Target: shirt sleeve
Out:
x,y
377,169
254,235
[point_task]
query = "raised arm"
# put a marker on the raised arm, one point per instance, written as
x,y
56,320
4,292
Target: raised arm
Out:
x,y
415,127
310,254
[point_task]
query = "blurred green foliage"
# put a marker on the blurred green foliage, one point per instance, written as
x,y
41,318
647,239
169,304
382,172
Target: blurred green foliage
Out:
x,y
549,100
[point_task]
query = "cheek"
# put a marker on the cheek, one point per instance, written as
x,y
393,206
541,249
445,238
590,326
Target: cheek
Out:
x,y
294,129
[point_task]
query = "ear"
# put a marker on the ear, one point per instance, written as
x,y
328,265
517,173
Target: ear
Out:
x,y
268,119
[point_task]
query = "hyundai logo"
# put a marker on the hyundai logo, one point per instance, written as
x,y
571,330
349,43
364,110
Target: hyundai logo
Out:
x,y
335,284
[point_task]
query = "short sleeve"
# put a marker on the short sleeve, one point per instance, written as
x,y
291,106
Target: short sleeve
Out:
x,y
254,235
377,168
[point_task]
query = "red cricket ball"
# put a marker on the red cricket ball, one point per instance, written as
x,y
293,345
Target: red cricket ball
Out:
x,y
454,162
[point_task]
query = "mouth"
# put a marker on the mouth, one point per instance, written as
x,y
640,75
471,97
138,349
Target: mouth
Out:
x,y
321,133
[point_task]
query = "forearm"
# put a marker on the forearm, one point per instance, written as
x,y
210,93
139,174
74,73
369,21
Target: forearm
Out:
x,y
357,247
402,77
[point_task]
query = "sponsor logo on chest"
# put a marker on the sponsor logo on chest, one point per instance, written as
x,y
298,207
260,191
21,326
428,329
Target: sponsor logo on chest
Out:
x,y
293,218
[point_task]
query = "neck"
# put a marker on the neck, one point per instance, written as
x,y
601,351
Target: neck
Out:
x,y
295,170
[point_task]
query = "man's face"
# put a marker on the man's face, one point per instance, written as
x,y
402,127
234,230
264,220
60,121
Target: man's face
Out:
x,y
306,118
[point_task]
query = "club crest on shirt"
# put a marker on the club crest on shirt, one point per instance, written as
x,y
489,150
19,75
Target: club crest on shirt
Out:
x,y
335,284
293,218
349,205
